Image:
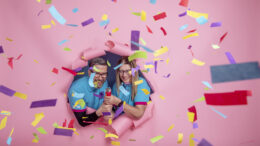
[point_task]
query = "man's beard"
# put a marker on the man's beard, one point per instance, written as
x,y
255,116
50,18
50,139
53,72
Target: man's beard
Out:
x,y
98,83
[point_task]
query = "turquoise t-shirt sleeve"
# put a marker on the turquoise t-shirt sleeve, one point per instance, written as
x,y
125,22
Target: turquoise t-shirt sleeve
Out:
x,y
140,95
114,90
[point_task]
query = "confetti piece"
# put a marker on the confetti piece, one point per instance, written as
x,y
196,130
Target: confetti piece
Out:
x,y
20,95
91,137
35,61
162,97
111,135
167,61
106,22
45,26
6,91
215,24
80,73
183,27
195,125
222,37
180,138
9,140
190,116
123,90
135,34
55,70
194,111
171,127
137,54
201,20
115,142
184,3
75,10
104,17
159,16
148,66
143,15
197,62
200,99
67,49
38,118
183,14
19,57
143,42
10,40
204,142
148,29
144,47
48,2
106,113
62,42
167,76
234,72
39,12
157,138
153,1
196,14
119,111
116,67
160,51
193,30
146,92
7,113
132,139
41,130
207,84
10,62
136,13
109,121
63,132
191,141
221,114
1,49
138,82
108,63
230,58
3,123
56,15
87,22
36,138
164,31
190,35
115,30
215,46
73,25
43,103
103,130
70,71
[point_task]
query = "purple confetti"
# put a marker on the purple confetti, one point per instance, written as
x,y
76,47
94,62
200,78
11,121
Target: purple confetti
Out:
x,y
39,13
204,142
1,49
230,58
78,69
195,139
6,91
189,46
167,75
155,66
195,125
106,113
182,14
64,132
87,22
119,111
43,103
149,63
215,24
135,38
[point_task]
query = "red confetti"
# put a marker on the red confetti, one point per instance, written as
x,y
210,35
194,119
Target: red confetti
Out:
x,y
159,16
184,3
193,110
71,124
64,123
19,57
149,30
163,30
55,70
191,30
223,36
10,62
70,71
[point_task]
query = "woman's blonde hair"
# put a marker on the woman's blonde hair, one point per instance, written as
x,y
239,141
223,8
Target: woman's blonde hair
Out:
x,y
134,78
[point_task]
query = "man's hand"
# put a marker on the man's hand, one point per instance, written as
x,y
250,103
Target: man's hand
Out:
x,y
111,100
104,108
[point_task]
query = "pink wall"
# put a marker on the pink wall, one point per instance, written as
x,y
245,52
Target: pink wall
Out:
x,y
19,21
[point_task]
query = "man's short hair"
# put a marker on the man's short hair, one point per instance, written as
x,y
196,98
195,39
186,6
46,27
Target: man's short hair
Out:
x,y
98,60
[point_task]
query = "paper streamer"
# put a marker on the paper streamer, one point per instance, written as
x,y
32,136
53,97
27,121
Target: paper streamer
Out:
x,y
182,14
63,132
222,37
62,42
164,31
135,38
235,72
157,138
123,90
111,135
7,91
43,103
70,71
91,80
56,15
160,51
87,22
171,127
230,58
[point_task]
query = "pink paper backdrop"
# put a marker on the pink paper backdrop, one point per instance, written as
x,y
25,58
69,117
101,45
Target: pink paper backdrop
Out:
x,y
19,21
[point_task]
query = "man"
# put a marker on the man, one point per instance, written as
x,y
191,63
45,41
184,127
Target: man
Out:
x,y
89,91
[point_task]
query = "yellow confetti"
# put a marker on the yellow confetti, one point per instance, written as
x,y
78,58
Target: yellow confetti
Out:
x,y
196,14
138,82
3,123
143,15
115,142
46,26
160,51
157,59
109,121
192,142
146,92
27,83
53,23
148,66
38,1
80,73
162,97
38,118
108,63
170,128
9,39
115,30
215,46
104,17
155,139
35,61
7,113
180,138
191,35
197,62
20,95
102,129
96,69
132,139
11,132
190,116
53,83
84,117
149,102
111,135
143,42
65,95
138,54
167,61
200,99
36,138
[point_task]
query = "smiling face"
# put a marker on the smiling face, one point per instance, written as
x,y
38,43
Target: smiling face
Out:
x,y
101,75
124,74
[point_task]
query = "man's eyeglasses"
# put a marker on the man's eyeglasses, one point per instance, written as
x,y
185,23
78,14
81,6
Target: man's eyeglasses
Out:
x,y
124,71
97,74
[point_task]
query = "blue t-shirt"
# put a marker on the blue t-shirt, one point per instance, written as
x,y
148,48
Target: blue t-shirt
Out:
x,y
81,94
125,92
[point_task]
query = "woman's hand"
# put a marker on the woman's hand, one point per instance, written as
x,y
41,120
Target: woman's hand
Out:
x,y
104,108
111,100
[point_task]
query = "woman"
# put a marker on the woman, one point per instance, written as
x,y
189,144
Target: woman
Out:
x,y
125,90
